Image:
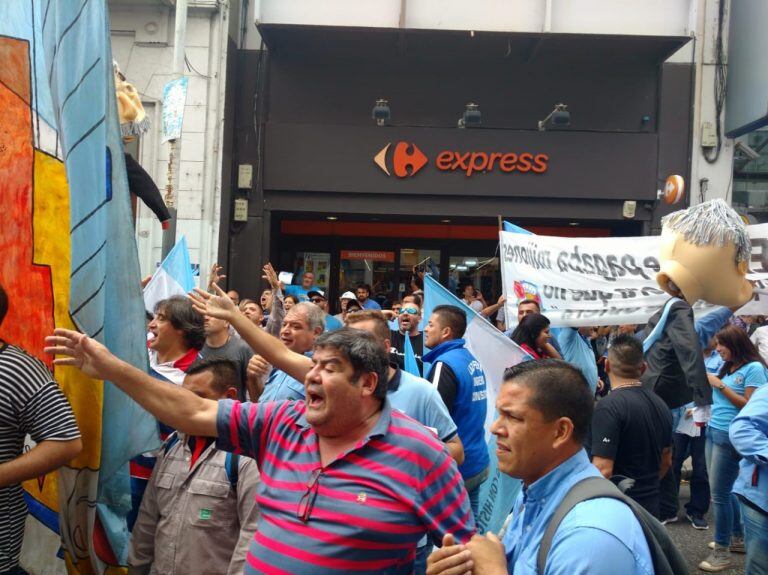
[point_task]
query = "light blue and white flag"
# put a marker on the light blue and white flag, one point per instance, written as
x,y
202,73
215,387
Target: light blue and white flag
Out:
x,y
495,352
410,365
510,227
173,277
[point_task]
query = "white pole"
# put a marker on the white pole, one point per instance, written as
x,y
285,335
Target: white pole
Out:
x,y
174,156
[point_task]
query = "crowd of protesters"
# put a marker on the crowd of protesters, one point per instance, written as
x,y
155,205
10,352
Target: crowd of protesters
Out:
x,y
297,439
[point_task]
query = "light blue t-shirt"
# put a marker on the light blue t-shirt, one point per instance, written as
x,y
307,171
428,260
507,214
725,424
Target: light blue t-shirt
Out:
x,y
749,435
299,292
282,387
419,399
598,537
576,350
332,323
371,304
723,411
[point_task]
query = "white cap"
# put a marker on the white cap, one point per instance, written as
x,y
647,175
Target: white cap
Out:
x,y
348,295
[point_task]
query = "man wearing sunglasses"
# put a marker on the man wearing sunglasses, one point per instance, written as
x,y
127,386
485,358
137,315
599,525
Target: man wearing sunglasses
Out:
x,y
348,483
408,326
317,297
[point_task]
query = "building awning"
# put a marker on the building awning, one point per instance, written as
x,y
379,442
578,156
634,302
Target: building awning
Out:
x,y
465,47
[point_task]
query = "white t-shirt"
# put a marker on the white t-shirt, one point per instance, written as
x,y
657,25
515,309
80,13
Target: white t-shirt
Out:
x,y
760,339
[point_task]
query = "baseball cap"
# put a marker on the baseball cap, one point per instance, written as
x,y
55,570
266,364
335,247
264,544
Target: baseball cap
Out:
x,y
348,295
315,292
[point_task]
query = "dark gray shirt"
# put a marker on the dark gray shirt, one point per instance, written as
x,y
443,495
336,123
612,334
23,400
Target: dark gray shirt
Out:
x,y
235,350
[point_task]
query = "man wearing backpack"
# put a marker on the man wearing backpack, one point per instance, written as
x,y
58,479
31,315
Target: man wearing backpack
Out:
x,y
198,514
545,408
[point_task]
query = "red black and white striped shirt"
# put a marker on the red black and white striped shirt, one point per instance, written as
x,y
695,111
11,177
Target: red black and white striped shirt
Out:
x,y
368,508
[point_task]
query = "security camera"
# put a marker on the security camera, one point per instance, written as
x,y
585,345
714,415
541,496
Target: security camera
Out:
x,y
381,113
471,117
747,150
560,117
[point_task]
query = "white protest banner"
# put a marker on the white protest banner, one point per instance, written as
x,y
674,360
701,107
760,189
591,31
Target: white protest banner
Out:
x,y
602,281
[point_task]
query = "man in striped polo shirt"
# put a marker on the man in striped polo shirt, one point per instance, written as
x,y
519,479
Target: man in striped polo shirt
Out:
x,y
348,484
30,403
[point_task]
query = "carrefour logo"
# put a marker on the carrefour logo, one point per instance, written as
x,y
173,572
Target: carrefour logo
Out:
x,y
407,159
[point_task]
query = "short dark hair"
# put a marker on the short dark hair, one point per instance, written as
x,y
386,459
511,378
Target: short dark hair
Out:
x,y
558,390
626,356
224,371
529,300
3,304
453,317
529,328
362,350
366,287
182,315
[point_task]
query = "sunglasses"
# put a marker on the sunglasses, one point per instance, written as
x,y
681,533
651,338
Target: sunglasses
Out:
x,y
410,310
317,299
307,501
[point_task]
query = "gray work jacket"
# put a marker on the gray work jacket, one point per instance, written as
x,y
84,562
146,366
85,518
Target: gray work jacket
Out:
x,y
194,520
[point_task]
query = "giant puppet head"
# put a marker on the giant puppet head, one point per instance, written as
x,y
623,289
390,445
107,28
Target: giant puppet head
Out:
x,y
705,253
133,119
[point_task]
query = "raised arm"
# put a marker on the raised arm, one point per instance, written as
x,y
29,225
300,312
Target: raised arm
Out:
x,y
277,311
270,348
171,404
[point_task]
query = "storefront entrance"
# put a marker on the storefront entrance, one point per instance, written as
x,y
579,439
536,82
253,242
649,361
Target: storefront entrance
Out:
x,y
385,255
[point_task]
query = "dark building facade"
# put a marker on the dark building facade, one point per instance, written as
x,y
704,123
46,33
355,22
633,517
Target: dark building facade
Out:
x,y
352,201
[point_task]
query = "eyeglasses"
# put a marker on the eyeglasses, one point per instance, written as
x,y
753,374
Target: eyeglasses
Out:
x,y
410,310
307,501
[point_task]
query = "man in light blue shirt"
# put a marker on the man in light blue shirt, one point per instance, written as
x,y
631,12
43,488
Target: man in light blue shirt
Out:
x,y
301,292
317,297
749,435
363,292
301,326
545,408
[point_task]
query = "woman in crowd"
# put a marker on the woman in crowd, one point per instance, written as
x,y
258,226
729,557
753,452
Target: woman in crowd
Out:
x,y
532,334
742,372
290,301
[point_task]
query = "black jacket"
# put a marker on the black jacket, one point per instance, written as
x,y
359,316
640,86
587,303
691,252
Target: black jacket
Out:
x,y
675,362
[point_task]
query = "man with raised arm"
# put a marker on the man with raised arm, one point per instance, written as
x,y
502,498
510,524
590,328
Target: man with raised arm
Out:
x,y
348,483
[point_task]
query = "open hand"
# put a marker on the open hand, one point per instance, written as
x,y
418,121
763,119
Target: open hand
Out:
x,y
82,352
271,277
215,276
216,305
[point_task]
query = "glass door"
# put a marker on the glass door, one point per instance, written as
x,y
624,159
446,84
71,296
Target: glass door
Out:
x,y
373,267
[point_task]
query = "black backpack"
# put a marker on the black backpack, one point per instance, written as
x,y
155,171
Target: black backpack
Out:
x,y
666,558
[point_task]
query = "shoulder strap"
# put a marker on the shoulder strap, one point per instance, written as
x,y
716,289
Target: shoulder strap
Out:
x,y
666,558
655,334
232,468
172,439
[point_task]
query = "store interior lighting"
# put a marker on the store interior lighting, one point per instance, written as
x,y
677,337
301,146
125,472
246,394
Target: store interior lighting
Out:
x,y
462,268
470,263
